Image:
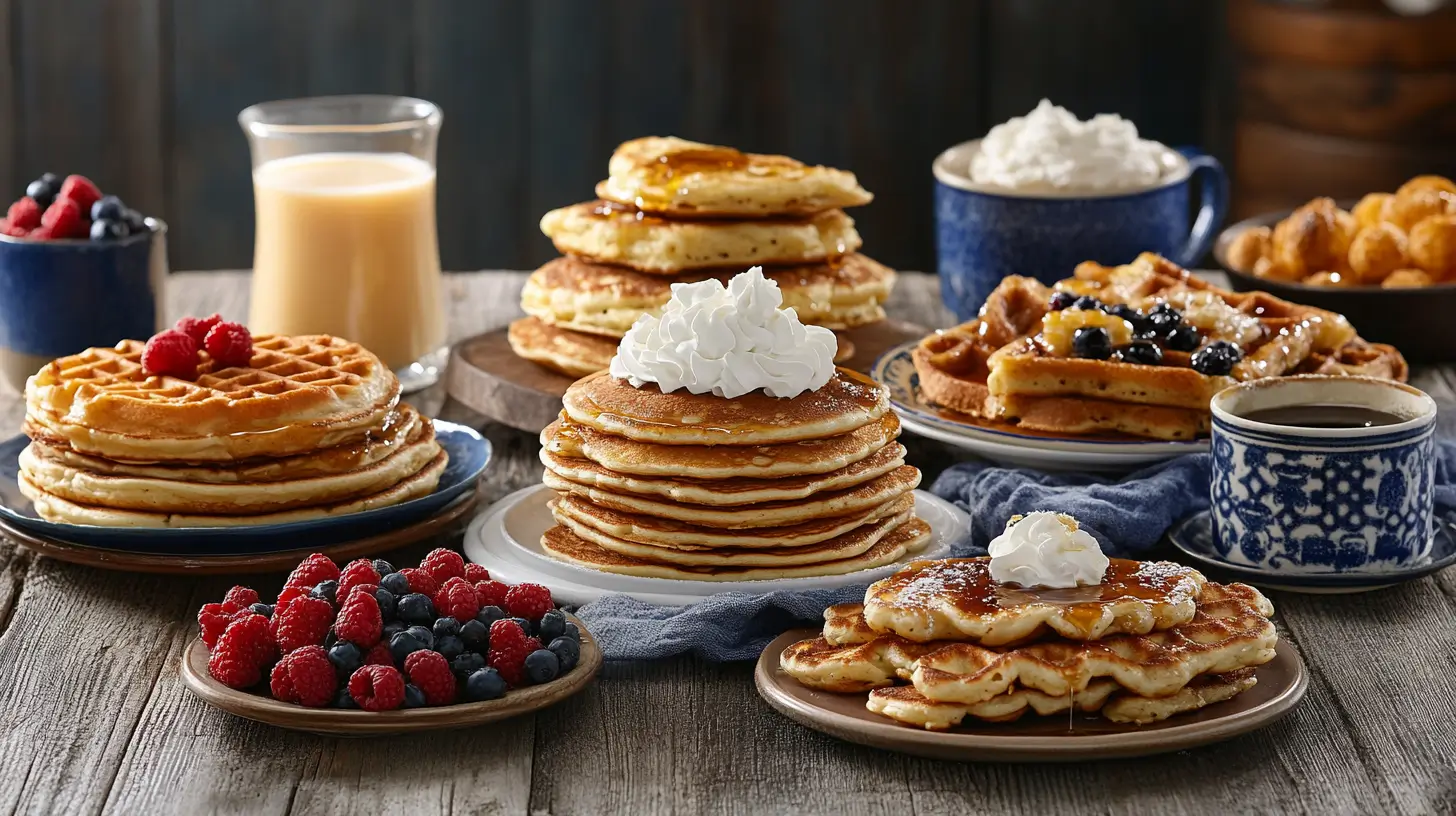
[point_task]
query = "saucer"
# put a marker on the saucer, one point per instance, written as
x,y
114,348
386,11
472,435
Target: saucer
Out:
x,y
1005,445
507,539
469,454
1194,538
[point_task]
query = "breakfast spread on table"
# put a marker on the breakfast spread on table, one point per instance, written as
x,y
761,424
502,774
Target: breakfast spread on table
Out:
x,y
673,211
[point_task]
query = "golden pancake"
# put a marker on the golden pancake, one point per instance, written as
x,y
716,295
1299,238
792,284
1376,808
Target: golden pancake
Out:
x,y
572,353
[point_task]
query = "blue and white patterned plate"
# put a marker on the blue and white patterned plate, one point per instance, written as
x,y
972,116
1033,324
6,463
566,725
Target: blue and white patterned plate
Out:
x,y
1194,537
469,454
896,371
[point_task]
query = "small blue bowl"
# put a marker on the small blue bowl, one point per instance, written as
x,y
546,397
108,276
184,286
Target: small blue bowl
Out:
x,y
62,297
984,234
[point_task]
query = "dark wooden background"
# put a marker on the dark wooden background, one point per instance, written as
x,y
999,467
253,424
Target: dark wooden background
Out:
x,y
142,95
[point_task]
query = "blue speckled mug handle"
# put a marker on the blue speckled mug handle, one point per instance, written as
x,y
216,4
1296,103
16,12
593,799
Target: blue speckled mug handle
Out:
x,y
1213,198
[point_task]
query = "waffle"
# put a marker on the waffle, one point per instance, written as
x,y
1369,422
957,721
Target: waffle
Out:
x,y
1015,363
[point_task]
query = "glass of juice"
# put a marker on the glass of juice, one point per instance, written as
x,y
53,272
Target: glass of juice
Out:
x,y
345,243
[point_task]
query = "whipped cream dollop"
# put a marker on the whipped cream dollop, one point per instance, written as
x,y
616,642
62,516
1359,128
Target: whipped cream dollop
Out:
x,y
1046,550
728,340
1050,149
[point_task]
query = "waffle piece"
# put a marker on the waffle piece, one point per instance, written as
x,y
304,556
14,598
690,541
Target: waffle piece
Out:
x,y
955,599
855,666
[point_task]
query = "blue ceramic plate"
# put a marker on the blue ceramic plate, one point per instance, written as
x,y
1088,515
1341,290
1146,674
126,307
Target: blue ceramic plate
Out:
x,y
896,371
469,453
1194,538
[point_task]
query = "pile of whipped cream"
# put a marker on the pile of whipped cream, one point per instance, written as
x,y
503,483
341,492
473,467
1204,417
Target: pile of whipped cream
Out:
x,y
1046,550
728,340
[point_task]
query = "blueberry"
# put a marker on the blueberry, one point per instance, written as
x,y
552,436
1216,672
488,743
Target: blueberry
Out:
x,y
567,651
383,567
416,608
466,664
1127,313
1087,302
135,221
573,632
551,626
1143,352
413,697
423,635
1163,319
525,625
1061,300
1094,344
1217,358
396,583
403,644
262,609
484,684
346,657
475,635
330,638
1183,338
326,591
393,628
490,614
446,626
109,230
450,646
109,208
344,699
386,602
542,666
44,189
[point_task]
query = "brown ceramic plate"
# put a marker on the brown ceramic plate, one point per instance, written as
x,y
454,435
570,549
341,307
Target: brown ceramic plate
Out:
x,y
355,723
1282,683
1416,321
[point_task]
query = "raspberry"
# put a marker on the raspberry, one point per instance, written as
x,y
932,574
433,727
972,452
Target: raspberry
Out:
x,y
304,622
358,571
475,573
444,564
288,595
170,353
304,676
24,214
213,618
79,190
457,599
241,596
230,345
491,593
344,595
509,658
315,568
529,601
431,672
359,621
16,231
377,688
64,218
379,655
421,581
198,327
243,650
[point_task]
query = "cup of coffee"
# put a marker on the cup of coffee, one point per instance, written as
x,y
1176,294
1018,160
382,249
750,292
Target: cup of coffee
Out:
x,y
1323,473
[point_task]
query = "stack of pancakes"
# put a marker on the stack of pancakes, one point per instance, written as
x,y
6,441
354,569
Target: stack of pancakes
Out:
x,y
674,211
940,643
697,487
312,427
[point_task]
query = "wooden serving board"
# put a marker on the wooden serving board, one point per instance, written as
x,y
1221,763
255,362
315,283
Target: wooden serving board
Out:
x,y
487,377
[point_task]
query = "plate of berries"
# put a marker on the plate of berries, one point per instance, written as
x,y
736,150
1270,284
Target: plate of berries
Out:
x,y
369,649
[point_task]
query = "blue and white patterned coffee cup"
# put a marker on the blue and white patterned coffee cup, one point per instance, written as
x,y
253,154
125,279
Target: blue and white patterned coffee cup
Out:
x,y
1300,499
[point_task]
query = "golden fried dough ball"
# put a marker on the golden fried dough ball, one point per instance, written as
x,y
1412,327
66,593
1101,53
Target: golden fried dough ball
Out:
x,y
1328,278
1407,209
1267,267
1377,251
1406,279
1248,247
1313,238
1433,246
1437,183
1367,212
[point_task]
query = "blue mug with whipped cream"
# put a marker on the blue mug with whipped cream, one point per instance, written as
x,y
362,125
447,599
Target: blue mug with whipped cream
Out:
x,y
1045,192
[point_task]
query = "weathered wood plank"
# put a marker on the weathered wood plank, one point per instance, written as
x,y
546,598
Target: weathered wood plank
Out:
x,y
9,171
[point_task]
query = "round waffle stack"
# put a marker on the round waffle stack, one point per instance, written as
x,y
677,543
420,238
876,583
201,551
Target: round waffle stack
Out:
x,y
698,487
312,427
674,211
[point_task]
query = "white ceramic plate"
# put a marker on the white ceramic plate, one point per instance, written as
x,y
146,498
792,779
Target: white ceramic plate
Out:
x,y
506,538
896,371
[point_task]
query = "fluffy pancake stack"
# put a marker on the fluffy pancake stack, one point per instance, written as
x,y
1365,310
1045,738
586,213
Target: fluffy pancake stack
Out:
x,y
674,211
698,487
312,427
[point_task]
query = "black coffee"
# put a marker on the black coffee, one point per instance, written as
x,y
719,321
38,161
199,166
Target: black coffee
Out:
x,y
1325,416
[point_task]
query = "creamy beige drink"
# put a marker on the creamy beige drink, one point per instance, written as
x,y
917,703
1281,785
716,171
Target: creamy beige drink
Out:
x,y
346,246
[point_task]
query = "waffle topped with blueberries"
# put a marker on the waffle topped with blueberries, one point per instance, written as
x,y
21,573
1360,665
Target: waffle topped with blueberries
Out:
x,y
1130,350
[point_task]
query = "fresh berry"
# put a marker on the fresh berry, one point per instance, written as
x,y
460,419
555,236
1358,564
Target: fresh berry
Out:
x,y
263,609
359,621
491,593
43,190
330,639
241,596
467,663
382,567
254,632
377,688
24,213
305,676
524,624
198,327
288,595
402,645
1127,313
386,602
414,696
41,233
443,564
1061,300
368,589
475,573
396,583
346,658
135,221
64,219
423,635
507,631
451,646
551,626
444,627
1087,303
1093,343
326,591
542,666
230,344
315,568
108,230
421,582
1184,338
475,635
529,601
358,572
508,649
304,622
108,207
1142,352
431,672
379,655
1163,319
567,652
170,353
213,618
80,190
241,653
393,628
415,608
7,228
573,632
1217,358
484,684
489,615
344,700
457,599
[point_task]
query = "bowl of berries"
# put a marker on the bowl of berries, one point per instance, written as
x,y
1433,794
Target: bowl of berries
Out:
x,y
78,269
369,649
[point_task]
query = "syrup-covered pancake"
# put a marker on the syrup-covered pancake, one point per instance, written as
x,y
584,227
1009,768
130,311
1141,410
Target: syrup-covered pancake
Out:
x,y
676,177
573,353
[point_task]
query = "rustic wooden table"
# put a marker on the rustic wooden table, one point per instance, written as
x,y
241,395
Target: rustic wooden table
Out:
x,y
94,718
